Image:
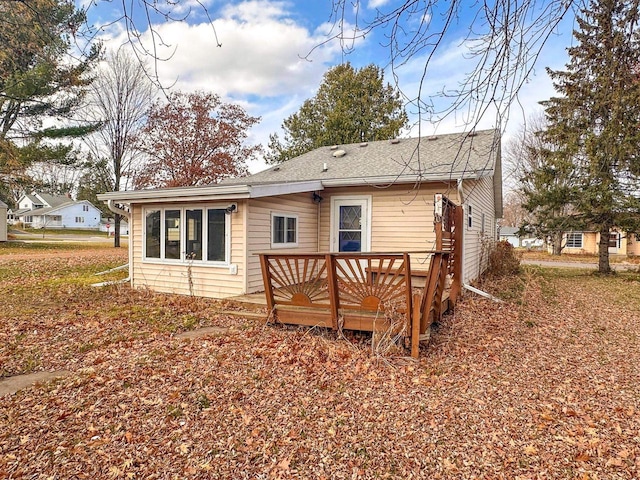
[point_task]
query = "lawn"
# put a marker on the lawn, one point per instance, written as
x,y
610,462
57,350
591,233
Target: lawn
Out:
x,y
545,385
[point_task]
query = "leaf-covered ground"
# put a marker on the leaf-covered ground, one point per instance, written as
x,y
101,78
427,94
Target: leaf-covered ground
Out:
x,y
546,385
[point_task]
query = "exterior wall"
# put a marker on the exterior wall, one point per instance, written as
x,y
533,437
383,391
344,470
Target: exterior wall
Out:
x,y
477,240
208,280
633,244
512,239
259,230
589,244
3,224
401,217
69,214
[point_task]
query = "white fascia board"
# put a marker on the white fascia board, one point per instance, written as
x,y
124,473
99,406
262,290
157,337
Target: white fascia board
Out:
x,y
270,190
184,194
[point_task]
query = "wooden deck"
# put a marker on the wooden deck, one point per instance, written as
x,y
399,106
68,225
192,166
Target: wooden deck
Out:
x,y
371,292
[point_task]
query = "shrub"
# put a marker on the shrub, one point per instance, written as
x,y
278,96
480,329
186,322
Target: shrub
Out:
x,y
503,260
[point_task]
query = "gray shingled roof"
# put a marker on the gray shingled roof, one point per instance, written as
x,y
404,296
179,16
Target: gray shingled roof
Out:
x,y
450,156
505,231
54,200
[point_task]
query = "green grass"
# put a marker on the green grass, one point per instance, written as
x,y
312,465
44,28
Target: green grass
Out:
x,y
61,231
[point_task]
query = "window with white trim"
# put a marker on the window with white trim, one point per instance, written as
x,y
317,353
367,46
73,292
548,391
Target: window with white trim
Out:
x,y
79,219
85,208
574,240
187,235
469,217
284,230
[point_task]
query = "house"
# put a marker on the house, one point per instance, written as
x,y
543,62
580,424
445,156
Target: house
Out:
x,y
369,197
42,210
3,221
587,242
509,234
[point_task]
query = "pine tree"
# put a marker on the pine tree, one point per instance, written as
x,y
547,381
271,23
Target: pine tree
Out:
x,y
594,125
351,106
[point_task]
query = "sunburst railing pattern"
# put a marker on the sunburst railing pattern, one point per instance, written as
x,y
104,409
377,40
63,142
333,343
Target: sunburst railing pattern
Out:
x,y
299,280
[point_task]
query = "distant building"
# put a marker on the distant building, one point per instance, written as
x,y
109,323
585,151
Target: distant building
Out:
x,y
42,210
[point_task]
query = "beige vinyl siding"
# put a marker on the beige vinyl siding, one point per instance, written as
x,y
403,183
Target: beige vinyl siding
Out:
x,y
401,217
479,194
259,230
208,280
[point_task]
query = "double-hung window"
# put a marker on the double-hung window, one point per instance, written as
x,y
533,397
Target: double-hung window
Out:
x,y
284,230
187,235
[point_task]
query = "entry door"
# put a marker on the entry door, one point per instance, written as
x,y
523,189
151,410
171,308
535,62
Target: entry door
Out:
x,y
350,223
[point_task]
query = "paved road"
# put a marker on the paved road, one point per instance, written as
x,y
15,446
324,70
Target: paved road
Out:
x,y
585,265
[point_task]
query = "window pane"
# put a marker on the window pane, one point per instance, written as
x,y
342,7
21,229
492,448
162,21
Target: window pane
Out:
x,y
278,229
291,230
216,235
350,242
194,235
152,233
350,217
172,234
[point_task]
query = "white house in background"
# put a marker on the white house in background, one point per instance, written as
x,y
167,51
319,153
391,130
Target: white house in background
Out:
x,y
510,234
41,210
3,221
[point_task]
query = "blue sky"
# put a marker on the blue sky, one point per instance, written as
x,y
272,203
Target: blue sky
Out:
x,y
261,63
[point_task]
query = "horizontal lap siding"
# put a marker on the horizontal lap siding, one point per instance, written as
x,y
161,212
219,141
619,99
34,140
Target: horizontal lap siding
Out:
x,y
208,281
259,230
401,217
478,194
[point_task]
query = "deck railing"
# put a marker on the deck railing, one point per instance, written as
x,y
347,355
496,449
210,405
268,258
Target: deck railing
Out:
x,y
355,291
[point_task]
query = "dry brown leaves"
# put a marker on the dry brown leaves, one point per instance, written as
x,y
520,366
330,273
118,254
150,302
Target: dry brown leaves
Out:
x,y
548,388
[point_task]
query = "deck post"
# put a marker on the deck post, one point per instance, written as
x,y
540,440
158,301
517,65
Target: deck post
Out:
x,y
334,300
409,293
416,316
266,278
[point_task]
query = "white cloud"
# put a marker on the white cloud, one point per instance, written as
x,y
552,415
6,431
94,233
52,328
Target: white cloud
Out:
x,y
377,3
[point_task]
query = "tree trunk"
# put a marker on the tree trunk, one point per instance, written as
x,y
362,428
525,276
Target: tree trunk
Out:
x,y
556,243
603,250
116,233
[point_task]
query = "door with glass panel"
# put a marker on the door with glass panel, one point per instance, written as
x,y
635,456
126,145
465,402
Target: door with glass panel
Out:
x,y
350,225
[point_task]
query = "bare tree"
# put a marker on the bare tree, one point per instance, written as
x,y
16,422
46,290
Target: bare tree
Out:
x,y
119,98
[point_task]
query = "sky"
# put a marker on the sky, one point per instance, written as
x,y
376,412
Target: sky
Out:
x,y
273,54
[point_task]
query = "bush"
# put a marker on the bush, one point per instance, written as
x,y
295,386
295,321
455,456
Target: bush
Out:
x,y
503,260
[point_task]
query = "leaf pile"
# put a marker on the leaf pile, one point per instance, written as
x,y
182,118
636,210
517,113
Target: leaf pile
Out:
x,y
544,387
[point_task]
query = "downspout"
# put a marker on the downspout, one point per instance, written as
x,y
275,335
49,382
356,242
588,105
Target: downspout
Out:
x,y
125,213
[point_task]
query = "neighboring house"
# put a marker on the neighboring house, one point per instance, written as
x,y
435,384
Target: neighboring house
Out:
x,y
3,221
587,242
369,197
509,234
41,210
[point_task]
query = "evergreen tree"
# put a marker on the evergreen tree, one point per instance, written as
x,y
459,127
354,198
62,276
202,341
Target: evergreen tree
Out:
x,y
593,126
350,106
38,79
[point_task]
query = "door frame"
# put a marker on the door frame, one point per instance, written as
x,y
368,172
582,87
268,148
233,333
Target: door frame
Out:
x,y
365,201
